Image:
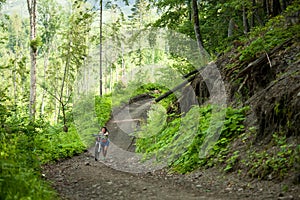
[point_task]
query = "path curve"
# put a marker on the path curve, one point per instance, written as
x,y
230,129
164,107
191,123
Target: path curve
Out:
x,y
123,176
122,125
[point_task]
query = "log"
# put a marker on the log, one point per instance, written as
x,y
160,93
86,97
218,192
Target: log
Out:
x,y
195,71
190,79
127,120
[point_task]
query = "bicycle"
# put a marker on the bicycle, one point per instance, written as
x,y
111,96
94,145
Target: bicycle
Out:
x,y
98,146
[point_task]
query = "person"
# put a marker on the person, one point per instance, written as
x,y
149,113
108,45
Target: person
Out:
x,y
104,141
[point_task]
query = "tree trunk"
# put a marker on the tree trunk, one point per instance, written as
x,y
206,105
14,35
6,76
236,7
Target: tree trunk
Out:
x,y
61,99
252,22
284,4
31,5
181,85
14,79
110,78
123,62
188,2
46,60
100,70
231,26
276,8
266,7
245,21
197,27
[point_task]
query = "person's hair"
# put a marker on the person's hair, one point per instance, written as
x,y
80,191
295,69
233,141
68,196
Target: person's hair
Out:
x,y
106,130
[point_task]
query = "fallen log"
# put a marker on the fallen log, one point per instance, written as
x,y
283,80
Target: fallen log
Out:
x,y
127,120
190,79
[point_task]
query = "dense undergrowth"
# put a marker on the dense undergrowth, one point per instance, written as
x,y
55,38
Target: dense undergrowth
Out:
x,y
179,148
270,151
179,142
90,114
26,146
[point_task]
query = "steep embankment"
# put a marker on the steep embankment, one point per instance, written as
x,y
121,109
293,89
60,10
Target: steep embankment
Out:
x,y
269,83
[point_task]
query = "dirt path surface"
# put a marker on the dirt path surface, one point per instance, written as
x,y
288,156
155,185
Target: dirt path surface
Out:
x,y
123,176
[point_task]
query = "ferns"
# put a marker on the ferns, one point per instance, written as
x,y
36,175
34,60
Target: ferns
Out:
x,y
179,143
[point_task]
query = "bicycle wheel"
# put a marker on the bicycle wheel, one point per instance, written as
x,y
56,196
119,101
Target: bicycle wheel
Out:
x,y
97,150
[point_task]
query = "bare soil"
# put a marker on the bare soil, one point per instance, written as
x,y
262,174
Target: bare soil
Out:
x,y
82,178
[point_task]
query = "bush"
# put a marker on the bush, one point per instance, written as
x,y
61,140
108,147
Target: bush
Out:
x,y
24,147
181,147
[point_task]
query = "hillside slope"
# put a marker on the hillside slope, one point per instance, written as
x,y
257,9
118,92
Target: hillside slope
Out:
x,y
269,83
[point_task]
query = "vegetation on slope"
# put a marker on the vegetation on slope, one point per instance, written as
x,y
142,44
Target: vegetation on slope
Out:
x,y
266,148
26,146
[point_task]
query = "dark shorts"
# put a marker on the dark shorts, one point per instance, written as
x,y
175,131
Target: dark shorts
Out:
x,y
105,143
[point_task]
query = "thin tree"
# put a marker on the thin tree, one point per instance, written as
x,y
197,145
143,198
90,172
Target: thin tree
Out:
x,y
245,20
197,26
100,70
31,5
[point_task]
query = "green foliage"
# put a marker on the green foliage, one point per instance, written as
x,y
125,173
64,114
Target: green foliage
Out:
x,y
180,147
263,39
24,146
123,94
103,107
54,144
20,182
232,127
275,162
90,113
157,119
231,161
36,43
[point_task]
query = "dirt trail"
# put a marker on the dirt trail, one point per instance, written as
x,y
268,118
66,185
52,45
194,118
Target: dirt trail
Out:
x,y
123,176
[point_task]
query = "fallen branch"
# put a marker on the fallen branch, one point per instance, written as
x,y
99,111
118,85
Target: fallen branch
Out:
x,y
190,79
127,120
244,82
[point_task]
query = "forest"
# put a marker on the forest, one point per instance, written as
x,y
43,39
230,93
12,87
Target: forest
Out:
x,y
223,77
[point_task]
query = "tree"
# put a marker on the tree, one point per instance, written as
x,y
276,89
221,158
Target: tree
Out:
x,y
74,51
197,27
34,43
101,32
49,23
178,16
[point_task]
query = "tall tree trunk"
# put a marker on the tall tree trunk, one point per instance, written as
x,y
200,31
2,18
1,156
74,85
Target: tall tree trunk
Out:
x,y
284,4
231,26
276,8
252,22
266,7
31,5
110,78
61,99
245,21
100,70
14,82
188,2
46,59
197,27
123,62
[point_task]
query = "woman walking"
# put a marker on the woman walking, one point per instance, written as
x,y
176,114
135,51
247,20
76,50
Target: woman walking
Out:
x,y
104,142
